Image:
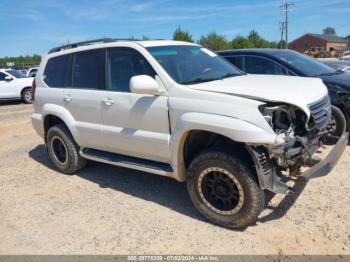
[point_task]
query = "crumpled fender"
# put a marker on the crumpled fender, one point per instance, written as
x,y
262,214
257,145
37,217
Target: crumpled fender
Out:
x,y
233,128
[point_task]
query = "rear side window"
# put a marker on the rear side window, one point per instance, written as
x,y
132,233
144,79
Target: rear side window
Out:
x,y
88,70
57,71
237,61
262,66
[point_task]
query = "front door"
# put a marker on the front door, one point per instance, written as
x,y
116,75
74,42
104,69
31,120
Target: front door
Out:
x,y
134,124
6,87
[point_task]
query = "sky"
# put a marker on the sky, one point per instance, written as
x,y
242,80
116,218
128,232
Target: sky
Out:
x,y
35,26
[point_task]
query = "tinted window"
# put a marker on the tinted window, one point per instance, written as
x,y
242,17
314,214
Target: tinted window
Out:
x,y
122,65
15,73
262,66
236,61
188,64
307,65
57,72
2,76
88,70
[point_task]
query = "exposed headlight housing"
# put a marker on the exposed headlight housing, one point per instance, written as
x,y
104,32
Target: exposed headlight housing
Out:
x,y
285,119
278,116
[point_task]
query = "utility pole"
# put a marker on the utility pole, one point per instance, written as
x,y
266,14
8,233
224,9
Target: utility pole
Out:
x,y
285,7
282,31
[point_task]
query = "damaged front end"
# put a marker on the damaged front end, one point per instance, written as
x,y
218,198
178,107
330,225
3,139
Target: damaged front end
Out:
x,y
298,137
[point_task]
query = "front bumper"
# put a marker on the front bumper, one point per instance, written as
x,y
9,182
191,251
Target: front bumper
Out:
x,y
326,165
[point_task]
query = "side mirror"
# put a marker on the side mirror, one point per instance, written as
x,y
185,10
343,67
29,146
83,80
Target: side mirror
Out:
x,y
8,78
144,84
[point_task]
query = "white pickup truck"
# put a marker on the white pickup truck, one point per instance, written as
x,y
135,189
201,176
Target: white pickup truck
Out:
x,y
177,109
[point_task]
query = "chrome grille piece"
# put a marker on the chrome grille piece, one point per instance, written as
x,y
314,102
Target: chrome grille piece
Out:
x,y
321,112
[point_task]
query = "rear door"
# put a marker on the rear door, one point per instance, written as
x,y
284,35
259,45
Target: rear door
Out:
x,y
83,98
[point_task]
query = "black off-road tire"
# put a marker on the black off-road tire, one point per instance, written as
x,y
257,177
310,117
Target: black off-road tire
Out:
x,y
254,197
73,161
340,125
27,95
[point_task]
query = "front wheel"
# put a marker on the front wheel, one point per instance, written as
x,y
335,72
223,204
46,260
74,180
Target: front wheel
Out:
x,y
224,189
337,125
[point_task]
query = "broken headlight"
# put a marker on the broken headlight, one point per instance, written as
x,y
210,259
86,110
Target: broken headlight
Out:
x,y
279,117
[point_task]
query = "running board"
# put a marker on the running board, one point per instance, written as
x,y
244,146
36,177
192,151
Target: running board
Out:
x,y
136,163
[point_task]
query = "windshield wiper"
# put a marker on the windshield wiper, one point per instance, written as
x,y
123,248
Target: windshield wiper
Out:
x,y
202,80
198,80
330,74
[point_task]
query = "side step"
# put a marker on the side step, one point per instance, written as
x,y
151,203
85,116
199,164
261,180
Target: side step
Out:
x,y
140,164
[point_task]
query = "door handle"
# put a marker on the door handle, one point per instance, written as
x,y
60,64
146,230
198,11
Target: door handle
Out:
x,y
68,98
108,102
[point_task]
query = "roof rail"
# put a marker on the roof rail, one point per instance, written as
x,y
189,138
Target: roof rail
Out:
x,y
90,42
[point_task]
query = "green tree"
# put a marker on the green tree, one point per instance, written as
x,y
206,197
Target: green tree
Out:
x,y
181,35
258,42
281,44
329,31
214,41
241,42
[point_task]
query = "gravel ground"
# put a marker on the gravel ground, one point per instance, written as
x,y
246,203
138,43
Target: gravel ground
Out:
x,y
109,210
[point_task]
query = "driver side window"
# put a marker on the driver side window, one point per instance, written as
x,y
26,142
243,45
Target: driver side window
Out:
x,y
122,64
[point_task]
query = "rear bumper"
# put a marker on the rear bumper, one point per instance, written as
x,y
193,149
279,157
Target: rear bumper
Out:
x,y
326,165
38,124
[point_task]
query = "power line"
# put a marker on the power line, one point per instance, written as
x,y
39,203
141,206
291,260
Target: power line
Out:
x,y
285,7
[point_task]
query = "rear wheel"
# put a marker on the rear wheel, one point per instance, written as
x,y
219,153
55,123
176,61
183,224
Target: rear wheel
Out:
x,y
63,151
224,189
27,95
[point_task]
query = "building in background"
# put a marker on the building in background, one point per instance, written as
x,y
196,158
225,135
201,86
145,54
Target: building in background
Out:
x,y
320,45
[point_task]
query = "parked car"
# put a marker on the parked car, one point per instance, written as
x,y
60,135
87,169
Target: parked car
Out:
x,y
14,86
31,72
338,64
177,109
288,62
345,58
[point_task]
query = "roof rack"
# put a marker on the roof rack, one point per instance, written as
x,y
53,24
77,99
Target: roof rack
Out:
x,y
90,42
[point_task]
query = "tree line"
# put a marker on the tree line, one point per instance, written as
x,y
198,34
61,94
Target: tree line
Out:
x,y
212,40
21,61
216,42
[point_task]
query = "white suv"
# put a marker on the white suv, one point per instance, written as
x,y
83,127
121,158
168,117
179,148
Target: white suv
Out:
x,y
177,109
14,86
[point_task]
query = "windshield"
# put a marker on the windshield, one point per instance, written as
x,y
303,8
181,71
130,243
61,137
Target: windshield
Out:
x,y
307,65
14,73
192,64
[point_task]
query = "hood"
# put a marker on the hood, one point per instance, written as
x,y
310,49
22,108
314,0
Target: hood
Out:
x,y
342,79
298,91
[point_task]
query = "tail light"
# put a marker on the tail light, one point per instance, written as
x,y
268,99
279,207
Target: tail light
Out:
x,y
33,89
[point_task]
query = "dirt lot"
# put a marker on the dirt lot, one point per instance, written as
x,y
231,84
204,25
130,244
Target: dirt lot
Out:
x,y
109,210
